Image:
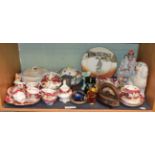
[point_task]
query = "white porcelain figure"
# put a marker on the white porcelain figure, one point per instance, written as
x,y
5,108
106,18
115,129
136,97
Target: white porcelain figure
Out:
x,y
65,93
127,67
139,79
18,78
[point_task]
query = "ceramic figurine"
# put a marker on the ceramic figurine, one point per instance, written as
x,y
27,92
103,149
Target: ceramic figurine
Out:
x,y
92,91
33,94
139,79
100,62
91,95
87,84
18,91
84,76
65,92
131,96
49,96
18,79
127,67
73,75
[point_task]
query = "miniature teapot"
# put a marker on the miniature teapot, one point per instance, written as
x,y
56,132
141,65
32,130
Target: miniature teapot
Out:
x,y
65,93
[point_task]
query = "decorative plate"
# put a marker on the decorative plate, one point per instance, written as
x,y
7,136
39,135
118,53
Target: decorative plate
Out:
x,y
100,62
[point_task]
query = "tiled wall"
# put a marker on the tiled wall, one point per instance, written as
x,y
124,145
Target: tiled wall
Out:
x,y
55,56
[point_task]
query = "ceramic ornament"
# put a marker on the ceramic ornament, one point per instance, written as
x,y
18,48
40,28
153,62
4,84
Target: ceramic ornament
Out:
x,y
18,78
139,79
84,76
127,67
65,93
100,62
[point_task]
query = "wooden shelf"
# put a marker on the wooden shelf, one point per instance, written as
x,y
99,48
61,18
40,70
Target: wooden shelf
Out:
x,y
58,106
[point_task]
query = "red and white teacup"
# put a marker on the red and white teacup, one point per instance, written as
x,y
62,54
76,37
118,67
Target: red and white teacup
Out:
x,y
49,96
33,94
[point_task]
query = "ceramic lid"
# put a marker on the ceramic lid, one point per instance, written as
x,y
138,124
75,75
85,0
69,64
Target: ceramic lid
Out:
x,y
35,72
130,89
48,90
33,90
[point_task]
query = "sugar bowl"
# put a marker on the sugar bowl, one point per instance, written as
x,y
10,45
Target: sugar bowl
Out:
x,y
49,96
65,93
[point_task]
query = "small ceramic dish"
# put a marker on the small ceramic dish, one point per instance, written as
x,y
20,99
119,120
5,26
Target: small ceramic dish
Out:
x,y
78,97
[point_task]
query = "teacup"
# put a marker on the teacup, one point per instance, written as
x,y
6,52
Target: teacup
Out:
x,y
49,96
33,94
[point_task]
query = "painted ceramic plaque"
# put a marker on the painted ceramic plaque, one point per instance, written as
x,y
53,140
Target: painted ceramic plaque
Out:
x,y
100,62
